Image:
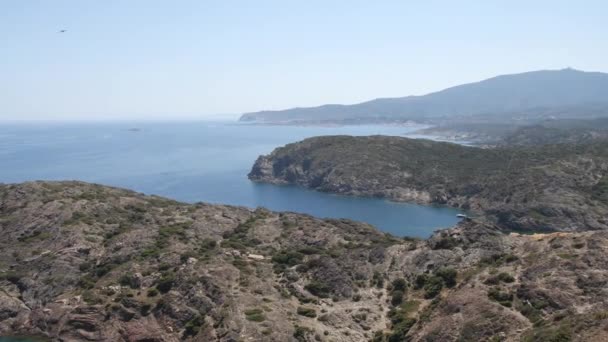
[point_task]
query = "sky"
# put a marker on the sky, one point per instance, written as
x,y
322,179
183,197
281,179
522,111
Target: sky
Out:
x,y
201,59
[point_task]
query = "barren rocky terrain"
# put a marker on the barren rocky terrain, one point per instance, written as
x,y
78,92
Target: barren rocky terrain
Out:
x,y
85,262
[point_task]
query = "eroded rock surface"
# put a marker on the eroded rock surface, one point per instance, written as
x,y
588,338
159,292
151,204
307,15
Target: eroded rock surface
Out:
x,y
85,262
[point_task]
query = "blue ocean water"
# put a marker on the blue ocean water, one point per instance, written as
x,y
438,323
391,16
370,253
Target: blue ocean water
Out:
x,y
197,161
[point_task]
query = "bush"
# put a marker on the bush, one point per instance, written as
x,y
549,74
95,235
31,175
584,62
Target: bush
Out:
x,y
309,250
432,287
208,244
90,298
377,280
505,277
396,297
399,284
152,292
401,329
301,333
318,289
11,276
448,275
307,312
447,242
86,282
502,298
194,325
145,309
127,280
166,282
255,315
288,258
420,281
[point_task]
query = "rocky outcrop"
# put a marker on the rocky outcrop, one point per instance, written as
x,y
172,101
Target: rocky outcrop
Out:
x,y
82,262
544,188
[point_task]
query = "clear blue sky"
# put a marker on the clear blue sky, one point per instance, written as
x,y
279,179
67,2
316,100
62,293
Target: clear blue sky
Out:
x,y
191,59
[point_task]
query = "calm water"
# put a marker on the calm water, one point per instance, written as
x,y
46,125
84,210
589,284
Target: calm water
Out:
x,y
197,161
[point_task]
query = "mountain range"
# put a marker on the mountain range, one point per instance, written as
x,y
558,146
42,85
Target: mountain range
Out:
x,y
546,93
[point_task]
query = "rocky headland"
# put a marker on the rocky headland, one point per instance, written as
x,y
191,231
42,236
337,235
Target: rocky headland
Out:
x,y
553,187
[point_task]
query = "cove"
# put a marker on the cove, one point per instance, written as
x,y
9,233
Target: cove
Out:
x,y
199,162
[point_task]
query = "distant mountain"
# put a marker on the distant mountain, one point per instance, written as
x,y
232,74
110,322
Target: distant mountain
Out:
x,y
563,92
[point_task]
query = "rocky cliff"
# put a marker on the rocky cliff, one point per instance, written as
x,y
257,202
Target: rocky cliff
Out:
x,y
85,262
558,187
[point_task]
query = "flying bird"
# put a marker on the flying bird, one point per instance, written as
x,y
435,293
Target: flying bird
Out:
x,y
62,31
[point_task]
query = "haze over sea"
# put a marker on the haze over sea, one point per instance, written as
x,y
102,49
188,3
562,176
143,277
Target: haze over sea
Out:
x,y
197,161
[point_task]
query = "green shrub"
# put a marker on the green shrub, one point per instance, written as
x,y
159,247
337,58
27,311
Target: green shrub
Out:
x,y
288,258
301,333
396,297
103,269
86,266
446,242
166,282
90,297
505,277
309,250
208,244
152,292
307,312
420,281
399,284
503,298
35,236
448,274
432,287
318,289
551,333
86,282
128,280
377,280
145,309
255,315
194,325
11,276
401,329
183,258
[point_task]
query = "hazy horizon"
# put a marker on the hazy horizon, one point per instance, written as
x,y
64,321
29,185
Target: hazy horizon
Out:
x,y
208,60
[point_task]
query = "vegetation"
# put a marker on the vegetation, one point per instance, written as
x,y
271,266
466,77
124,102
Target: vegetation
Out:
x,y
396,297
35,236
401,324
308,312
433,284
448,274
194,325
197,299
318,289
300,333
432,287
504,298
166,282
503,180
255,315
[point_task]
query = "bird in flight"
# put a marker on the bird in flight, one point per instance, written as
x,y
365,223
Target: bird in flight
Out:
x,y
62,31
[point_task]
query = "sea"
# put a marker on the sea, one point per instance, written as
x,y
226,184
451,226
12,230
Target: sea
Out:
x,y
199,161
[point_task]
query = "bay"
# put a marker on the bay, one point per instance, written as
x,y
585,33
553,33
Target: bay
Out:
x,y
198,161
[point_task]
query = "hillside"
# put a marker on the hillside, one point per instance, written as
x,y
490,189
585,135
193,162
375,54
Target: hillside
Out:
x,y
538,94
514,133
85,262
550,187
